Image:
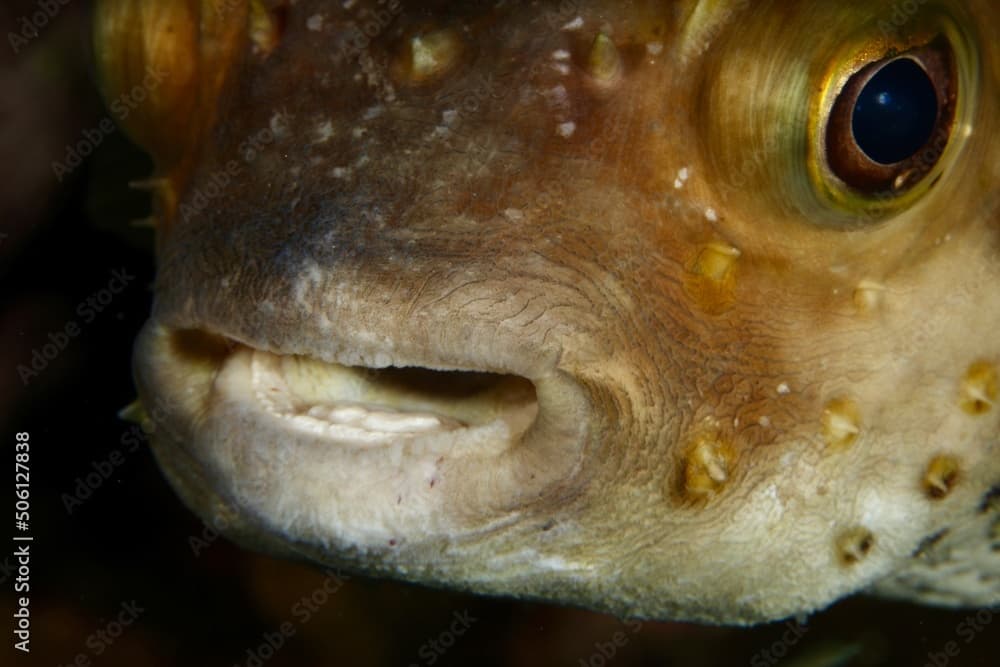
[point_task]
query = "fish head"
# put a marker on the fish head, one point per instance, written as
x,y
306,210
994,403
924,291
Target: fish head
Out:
x,y
670,309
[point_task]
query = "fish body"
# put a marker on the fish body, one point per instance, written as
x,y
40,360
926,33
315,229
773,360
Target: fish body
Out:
x,y
593,302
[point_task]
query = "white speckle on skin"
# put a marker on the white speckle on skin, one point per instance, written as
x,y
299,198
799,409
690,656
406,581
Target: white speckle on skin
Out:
x,y
575,24
560,54
315,22
772,494
711,215
784,389
374,112
310,278
562,68
449,117
682,177
279,125
765,421
340,172
566,130
556,94
654,48
513,214
558,564
554,563
324,132
878,511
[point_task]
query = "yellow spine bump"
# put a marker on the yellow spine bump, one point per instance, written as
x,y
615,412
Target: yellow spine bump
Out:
x,y
707,467
717,262
135,412
604,62
868,296
265,33
180,54
854,545
978,394
841,422
428,56
941,476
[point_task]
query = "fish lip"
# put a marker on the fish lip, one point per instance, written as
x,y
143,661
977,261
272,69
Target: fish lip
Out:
x,y
361,346
197,426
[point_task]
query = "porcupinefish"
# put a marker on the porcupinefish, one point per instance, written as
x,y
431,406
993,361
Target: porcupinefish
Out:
x,y
677,309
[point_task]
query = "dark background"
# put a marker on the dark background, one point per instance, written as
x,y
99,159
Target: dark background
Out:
x,y
131,542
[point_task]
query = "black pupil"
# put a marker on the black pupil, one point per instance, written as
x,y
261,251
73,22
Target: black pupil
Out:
x,y
895,113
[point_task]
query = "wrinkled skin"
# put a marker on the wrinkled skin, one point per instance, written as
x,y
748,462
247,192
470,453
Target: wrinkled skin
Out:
x,y
747,398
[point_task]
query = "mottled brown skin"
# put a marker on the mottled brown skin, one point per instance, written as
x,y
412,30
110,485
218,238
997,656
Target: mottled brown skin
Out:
x,y
819,354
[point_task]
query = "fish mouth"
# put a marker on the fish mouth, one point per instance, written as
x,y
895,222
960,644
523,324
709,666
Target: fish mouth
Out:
x,y
332,452
360,406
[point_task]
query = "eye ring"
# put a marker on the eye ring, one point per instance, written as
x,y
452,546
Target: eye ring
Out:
x,y
846,157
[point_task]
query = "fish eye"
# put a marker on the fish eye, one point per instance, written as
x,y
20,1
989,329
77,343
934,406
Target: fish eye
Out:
x,y
891,121
895,113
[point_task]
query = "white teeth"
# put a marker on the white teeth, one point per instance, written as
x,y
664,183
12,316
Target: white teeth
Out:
x,y
380,421
346,406
318,412
347,414
403,423
347,421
